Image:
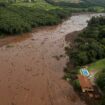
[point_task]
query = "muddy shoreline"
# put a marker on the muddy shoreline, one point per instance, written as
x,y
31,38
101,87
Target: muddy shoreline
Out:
x,y
69,38
11,39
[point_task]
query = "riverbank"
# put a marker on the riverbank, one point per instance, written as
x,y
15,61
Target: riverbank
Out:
x,y
11,39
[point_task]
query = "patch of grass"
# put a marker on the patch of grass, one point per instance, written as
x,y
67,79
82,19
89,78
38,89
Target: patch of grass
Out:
x,y
99,65
42,4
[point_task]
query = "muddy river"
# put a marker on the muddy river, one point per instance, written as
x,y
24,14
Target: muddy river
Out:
x,y
31,71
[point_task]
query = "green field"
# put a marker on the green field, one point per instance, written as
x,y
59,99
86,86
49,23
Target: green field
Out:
x,y
42,4
37,4
90,4
99,65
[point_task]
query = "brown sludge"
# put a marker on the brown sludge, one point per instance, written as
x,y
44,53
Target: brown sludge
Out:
x,y
29,73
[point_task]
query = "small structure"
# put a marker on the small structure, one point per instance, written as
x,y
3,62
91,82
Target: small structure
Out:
x,y
85,84
84,72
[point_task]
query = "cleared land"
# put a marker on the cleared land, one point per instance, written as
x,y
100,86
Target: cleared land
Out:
x,y
99,65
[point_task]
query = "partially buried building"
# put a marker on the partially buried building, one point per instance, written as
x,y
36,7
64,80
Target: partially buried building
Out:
x,y
85,84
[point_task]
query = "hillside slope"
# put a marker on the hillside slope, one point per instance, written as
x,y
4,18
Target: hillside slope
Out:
x,y
78,3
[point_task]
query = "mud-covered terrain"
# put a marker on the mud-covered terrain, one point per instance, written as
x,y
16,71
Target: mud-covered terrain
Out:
x,y
31,71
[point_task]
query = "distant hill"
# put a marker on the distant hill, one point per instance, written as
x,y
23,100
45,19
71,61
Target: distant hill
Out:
x,y
78,3
82,1
70,1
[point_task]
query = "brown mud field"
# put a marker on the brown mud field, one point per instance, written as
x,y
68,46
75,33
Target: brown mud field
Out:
x,y
31,71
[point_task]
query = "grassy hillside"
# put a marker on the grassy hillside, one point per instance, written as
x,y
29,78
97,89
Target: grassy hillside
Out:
x,y
94,2
28,15
99,65
70,1
78,3
36,4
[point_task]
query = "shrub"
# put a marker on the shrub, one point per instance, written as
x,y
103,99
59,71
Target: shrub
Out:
x,y
101,80
3,4
76,84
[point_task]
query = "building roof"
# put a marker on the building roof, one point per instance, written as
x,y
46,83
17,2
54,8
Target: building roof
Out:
x,y
85,82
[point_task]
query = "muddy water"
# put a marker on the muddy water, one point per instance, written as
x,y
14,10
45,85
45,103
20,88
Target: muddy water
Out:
x,y
31,71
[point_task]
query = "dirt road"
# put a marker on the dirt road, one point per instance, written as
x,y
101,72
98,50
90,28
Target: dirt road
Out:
x,y
31,71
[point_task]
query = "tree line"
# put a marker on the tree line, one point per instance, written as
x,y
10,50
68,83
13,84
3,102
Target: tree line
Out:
x,y
89,46
14,1
19,19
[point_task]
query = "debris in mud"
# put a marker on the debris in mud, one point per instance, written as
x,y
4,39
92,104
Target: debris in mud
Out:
x,y
71,36
26,89
58,57
61,56
32,39
28,69
73,98
34,75
29,46
9,46
62,31
42,42
13,103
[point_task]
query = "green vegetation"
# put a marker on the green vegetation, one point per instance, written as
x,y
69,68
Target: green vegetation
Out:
x,y
81,5
89,46
101,83
99,65
15,19
89,49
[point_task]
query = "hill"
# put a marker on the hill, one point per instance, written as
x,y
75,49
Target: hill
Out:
x,y
29,15
34,4
78,3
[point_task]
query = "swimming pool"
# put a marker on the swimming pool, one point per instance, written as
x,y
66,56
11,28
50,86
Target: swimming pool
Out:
x,y
85,72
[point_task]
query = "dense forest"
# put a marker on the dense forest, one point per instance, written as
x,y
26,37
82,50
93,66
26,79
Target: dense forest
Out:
x,y
17,19
83,5
90,44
